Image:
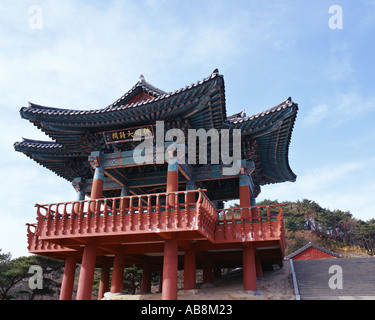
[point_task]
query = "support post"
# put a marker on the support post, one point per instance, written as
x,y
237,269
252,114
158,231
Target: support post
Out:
x,y
190,270
258,263
67,284
78,186
146,278
245,194
172,180
190,185
125,193
118,273
104,281
170,268
207,269
217,272
249,269
86,276
97,184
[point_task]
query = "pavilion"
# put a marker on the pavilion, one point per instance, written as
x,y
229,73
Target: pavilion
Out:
x,y
161,215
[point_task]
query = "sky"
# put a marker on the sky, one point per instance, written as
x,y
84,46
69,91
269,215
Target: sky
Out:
x,y
86,54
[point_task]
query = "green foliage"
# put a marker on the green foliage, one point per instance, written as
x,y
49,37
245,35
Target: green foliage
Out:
x,y
306,221
332,228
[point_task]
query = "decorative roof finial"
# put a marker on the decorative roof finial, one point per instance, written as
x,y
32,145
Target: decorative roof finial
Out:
x,y
141,78
216,71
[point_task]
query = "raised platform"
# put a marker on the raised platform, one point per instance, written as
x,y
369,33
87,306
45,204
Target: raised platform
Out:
x,y
141,224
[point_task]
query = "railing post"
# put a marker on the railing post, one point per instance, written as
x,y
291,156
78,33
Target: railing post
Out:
x,y
149,211
158,211
131,212
177,211
260,231
57,217
122,213
167,195
186,209
105,214
269,222
140,211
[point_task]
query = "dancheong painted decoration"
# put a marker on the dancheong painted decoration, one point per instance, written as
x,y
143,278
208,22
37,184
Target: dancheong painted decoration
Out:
x,y
149,196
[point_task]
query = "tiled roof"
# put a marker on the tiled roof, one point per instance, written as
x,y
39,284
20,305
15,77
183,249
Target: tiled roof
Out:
x,y
77,132
116,106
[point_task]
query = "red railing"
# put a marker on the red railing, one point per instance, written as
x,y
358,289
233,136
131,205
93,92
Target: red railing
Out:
x,y
251,224
150,213
188,210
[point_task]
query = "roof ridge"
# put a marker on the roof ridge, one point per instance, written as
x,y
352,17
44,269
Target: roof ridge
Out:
x,y
116,106
283,105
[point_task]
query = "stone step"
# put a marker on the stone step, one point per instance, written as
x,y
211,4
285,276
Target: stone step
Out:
x,y
358,276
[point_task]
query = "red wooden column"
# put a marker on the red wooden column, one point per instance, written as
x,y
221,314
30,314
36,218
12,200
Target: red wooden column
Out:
x,y
67,284
190,270
258,264
86,276
249,269
98,180
190,185
146,278
170,268
78,186
245,195
97,183
125,193
172,180
118,273
207,269
104,281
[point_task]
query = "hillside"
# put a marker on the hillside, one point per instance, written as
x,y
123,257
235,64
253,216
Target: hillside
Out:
x,y
306,221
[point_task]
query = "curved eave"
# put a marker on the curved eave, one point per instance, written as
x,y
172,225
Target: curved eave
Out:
x,y
274,151
54,157
272,129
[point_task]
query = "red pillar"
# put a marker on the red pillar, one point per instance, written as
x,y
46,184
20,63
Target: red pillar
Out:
x,y
104,281
170,268
258,264
249,269
217,272
146,278
125,193
118,273
67,284
86,276
190,185
207,270
97,184
190,270
172,182
245,195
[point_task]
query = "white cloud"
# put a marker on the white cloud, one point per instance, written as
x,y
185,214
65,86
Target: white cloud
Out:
x,y
340,62
340,108
346,186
